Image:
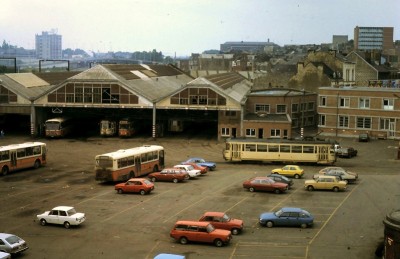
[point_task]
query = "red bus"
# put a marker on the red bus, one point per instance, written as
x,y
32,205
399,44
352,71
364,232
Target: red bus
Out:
x,y
124,164
126,128
19,156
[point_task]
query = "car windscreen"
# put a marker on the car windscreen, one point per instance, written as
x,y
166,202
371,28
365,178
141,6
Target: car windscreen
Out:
x,y
13,239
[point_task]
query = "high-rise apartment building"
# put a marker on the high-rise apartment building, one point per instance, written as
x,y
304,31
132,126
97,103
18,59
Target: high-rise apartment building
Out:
x,y
373,38
48,45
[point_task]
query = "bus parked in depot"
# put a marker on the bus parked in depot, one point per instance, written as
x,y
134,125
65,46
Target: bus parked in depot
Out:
x,y
279,150
126,128
20,156
108,128
59,127
124,164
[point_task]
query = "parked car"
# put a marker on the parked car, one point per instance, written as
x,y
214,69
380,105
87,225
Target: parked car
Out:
x,y
289,171
63,215
4,255
12,244
169,256
200,161
281,179
203,169
347,152
363,137
169,175
135,185
196,231
287,217
189,169
344,175
324,182
265,184
222,221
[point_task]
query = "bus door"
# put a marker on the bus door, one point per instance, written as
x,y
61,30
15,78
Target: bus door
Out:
x,y
161,159
13,157
138,166
236,148
43,154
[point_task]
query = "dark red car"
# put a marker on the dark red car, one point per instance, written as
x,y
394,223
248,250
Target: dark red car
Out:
x,y
222,221
169,175
136,185
265,184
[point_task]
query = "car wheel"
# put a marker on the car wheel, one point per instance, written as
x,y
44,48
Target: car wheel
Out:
x,y
304,225
335,189
120,191
142,192
175,180
235,231
36,165
277,191
66,224
218,242
269,224
297,176
153,179
183,240
252,189
310,188
4,170
43,222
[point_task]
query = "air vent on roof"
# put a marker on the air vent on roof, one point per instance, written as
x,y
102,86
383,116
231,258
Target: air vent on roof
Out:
x,y
262,114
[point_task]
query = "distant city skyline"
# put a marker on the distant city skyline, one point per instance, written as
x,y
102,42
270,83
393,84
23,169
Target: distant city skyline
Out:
x,y
179,27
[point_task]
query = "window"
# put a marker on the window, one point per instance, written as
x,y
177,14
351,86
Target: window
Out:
x,y
343,121
250,132
364,122
322,101
310,106
250,147
295,107
275,132
363,103
388,104
322,120
262,108
344,102
225,132
281,108
384,123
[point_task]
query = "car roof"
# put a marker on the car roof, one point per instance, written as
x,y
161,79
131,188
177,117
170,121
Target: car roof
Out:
x,y
326,176
138,179
191,222
63,208
214,213
5,235
292,209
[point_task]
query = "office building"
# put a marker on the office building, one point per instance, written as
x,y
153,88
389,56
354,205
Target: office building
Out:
x,y
48,45
373,38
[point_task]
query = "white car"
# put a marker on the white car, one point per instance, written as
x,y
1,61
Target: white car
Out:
x,y
190,170
63,215
11,244
4,255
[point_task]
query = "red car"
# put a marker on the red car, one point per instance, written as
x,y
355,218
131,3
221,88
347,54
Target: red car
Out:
x,y
265,184
169,175
136,185
222,221
203,169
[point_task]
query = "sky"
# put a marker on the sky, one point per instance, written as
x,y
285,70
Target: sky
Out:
x,y
182,27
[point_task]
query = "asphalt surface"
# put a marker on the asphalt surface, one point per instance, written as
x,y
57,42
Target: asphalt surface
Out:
x,y
347,224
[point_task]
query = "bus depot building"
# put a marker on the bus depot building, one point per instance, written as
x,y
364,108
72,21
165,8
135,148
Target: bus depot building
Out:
x,y
160,99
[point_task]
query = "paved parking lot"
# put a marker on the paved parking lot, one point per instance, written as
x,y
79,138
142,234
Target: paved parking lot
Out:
x,y
348,224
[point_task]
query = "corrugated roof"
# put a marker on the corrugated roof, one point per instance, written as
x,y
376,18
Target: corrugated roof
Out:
x,y
16,86
266,117
225,80
54,78
27,79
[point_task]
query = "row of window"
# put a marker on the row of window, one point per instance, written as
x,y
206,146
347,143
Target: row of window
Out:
x,y
21,152
279,148
130,161
363,102
281,108
361,122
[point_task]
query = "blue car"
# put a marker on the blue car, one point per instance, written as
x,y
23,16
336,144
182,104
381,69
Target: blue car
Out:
x,y
287,217
200,161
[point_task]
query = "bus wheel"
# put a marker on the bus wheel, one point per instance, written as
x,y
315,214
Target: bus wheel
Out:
x,y
4,170
36,165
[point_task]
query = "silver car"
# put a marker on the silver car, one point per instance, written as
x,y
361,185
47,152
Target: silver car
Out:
x,y
341,173
12,244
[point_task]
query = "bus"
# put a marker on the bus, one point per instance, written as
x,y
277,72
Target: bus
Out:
x,y
59,127
108,128
124,164
126,128
20,156
279,150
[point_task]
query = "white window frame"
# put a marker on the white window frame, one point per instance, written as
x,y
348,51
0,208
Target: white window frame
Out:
x,y
343,121
225,132
363,103
261,107
388,104
322,100
322,120
250,132
278,106
275,133
344,102
362,122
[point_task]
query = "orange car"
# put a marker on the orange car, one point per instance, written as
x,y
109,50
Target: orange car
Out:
x,y
138,185
222,221
203,169
196,231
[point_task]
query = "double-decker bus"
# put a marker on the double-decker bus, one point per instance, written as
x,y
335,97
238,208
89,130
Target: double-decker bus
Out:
x,y
126,128
279,150
124,164
59,127
108,128
20,156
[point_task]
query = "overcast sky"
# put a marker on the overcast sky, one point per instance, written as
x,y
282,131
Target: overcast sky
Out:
x,y
183,27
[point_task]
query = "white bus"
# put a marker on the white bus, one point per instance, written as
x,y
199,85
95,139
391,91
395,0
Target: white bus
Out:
x,y
124,164
59,127
108,128
20,156
279,150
